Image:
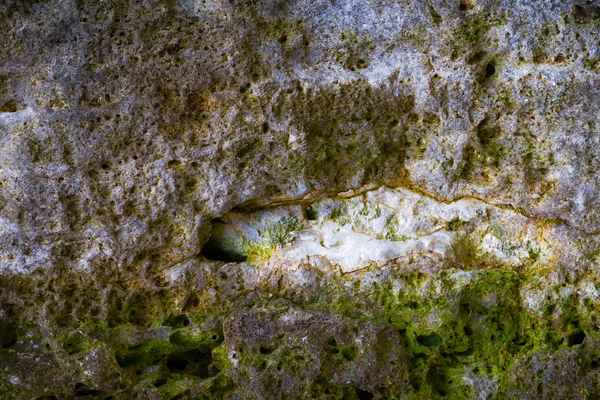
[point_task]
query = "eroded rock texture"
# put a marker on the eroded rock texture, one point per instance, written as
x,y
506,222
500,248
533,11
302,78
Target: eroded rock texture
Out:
x,y
272,199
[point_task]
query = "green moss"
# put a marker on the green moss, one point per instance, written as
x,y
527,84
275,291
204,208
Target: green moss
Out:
x,y
471,34
277,235
391,230
77,342
147,353
189,338
282,233
341,353
342,145
339,215
484,328
464,249
10,391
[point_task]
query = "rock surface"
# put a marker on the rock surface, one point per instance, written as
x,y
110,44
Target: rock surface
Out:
x,y
270,199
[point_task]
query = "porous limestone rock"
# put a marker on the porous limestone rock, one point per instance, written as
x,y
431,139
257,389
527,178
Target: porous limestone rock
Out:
x,y
268,199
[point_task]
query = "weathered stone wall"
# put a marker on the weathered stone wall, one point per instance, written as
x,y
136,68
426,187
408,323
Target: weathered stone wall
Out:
x,y
299,199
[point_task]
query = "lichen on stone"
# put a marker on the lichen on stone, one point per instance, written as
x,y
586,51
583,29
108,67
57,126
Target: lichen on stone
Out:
x,y
299,200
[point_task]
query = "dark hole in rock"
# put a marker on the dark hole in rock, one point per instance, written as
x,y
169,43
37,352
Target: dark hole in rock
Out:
x,y
468,330
82,389
177,362
520,340
218,248
75,343
263,365
145,353
463,6
586,13
486,132
244,88
128,361
192,362
265,127
283,38
50,397
10,336
429,340
437,380
490,70
350,353
416,383
311,214
576,338
364,395
264,349
177,321
469,352
192,302
160,382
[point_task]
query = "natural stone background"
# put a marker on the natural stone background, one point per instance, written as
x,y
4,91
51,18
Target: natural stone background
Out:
x,y
299,199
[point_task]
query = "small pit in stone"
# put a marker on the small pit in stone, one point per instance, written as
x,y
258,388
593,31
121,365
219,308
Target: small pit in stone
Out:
x,y
160,382
363,394
82,389
217,248
490,70
432,340
311,214
177,321
9,336
265,349
576,338
192,362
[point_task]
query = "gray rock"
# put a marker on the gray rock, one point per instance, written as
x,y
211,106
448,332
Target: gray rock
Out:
x,y
183,179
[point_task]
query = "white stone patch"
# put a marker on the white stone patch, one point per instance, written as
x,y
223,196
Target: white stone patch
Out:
x,y
11,118
378,226
352,250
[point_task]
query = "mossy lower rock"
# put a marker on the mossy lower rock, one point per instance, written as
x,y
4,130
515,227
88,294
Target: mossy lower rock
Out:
x,y
285,352
398,332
